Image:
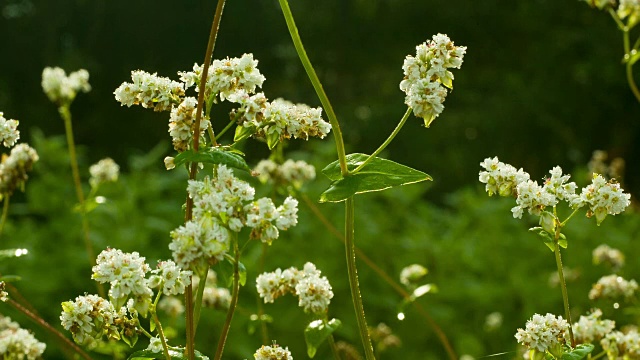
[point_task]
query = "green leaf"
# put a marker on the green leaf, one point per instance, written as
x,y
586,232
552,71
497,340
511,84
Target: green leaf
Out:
x,y
213,155
10,278
423,290
579,352
378,174
317,332
174,353
242,133
9,253
563,243
90,204
272,140
243,274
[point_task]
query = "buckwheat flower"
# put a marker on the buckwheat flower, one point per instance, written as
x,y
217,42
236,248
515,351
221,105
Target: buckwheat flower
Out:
x,y
314,292
155,345
493,321
4,296
592,328
181,120
613,287
272,285
251,111
62,89
226,77
629,8
169,163
288,214
601,4
427,76
105,170
532,197
89,318
198,243
172,278
17,343
149,91
290,173
603,198
619,345
411,274
125,272
274,352
604,254
14,168
9,133
297,120
543,333
558,185
501,178
171,305
260,215
216,298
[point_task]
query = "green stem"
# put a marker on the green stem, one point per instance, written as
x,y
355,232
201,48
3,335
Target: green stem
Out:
x,y
234,302
213,34
45,325
315,81
334,348
599,355
353,279
388,279
386,142
66,116
616,18
5,211
563,286
570,216
165,348
264,332
629,66
226,128
199,293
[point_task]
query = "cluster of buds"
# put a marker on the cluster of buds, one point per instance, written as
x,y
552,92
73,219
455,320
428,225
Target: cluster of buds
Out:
x,y
222,205
622,345
91,318
18,343
62,89
104,171
426,76
604,254
544,333
14,168
290,173
274,352
601,197
592,328
313,290
9,133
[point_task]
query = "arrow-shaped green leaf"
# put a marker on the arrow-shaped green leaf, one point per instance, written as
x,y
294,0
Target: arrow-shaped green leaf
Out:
x,y
214,155
317,332
378,174
580,352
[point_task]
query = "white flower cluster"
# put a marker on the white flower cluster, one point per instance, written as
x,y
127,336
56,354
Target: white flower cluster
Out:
x,y
105,170
291,172
14,168
623,346
62,89
222,204
592,328
17,343
313,290
181,120
629,8
542,333
150,91
274,352
427,76
612,287
155,345
4,295
9,133
604,254
226,77
603,198
89,318
600,196
171,305
213,296
125,272
172,279
411,274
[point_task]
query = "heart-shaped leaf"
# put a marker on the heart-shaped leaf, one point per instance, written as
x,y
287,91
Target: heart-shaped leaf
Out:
x,y
214,155
317,332
378,174
580,352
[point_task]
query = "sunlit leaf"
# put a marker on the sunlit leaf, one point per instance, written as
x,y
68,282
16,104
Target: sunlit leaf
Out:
x,y
317,332
174,353
580,352
213,155
378,174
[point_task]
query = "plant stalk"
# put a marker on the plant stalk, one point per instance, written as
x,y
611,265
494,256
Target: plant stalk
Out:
x,y
386,142
45,325
5,211
629,66
232,305
563,286
315,81
334,348
353,279
165,348
198,306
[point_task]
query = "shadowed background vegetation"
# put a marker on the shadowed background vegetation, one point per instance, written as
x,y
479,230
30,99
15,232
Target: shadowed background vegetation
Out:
x,y
541,85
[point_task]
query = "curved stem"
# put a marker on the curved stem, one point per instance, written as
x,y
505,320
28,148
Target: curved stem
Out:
x,y
5,211
226,128
616,18
199,293
66,116
353,279
563,286
311,73
334,348
213,34
45,325
386,142
388,279
629,65
234,302
165,348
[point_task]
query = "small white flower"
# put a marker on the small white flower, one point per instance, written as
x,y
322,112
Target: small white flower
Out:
x,y
17,343
629,8
533,198
14,168
105,170
412,274
181,120
171,305
173,279
88,318
149,91
603,198
9,133
619,345
62,89
274,352
592,328
612,287
604,254
155,345
543,332
125,272
501,178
